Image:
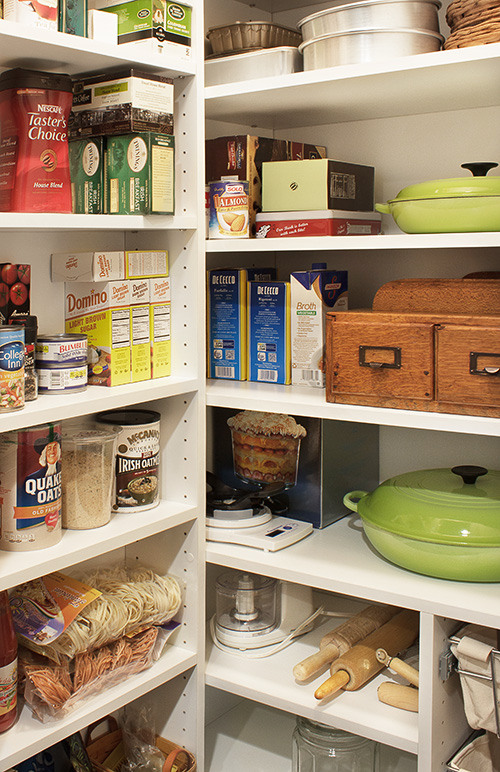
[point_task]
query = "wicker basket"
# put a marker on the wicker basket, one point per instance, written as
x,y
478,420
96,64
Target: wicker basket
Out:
x,y
177,759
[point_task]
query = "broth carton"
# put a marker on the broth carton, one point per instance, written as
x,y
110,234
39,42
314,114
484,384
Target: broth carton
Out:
x,y
159,325
269,331
313,293
227,320
101,310
139,330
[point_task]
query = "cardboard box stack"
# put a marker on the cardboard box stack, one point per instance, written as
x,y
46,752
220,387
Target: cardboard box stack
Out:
x,y
121,301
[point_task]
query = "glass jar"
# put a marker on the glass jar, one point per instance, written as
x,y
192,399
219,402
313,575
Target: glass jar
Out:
x,y
321,748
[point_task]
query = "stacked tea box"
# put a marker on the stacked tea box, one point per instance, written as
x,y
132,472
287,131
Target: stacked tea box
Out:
x,y
122,144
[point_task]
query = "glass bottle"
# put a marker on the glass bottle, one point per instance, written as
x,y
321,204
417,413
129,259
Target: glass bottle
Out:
x,y
321,748
8,665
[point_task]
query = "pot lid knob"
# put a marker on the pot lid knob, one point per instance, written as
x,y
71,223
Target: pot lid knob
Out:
x,y
469,474
479,169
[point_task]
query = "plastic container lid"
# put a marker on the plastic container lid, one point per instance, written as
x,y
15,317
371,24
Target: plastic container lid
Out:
x,y
128,417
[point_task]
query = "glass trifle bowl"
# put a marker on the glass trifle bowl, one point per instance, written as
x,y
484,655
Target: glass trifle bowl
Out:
x,y
266,446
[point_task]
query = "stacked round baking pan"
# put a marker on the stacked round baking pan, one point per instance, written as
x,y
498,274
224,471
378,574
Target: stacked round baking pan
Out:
x,y
369,30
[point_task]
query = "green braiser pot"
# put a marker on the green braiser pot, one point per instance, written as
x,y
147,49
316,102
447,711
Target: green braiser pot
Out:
x,y
438,522
455,205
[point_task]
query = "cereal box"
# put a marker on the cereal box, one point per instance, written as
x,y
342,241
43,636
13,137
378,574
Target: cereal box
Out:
x,y
139,330
269,331
159,326
313,293
102,312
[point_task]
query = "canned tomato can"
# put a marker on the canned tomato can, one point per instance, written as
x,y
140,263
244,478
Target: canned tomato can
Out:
x,y
59,379
30,460
11,367
229,210
61,348
137,458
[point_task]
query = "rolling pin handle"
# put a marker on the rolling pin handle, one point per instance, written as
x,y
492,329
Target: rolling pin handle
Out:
x,y
333,684
311,665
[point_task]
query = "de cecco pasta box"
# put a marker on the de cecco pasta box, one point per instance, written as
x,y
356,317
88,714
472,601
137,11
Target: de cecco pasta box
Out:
x,y
269,331
227,320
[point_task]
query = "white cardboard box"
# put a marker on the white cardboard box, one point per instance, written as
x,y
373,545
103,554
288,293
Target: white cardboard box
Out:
x,y
87,266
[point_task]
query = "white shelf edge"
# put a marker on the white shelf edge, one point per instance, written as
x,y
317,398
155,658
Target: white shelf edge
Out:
x,y
76,546
270,682
339,559
246,395
74,54
94,400
49,221
382,241
29,735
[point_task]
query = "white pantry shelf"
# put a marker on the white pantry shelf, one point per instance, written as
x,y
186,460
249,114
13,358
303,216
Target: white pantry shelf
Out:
x,y
29,735
301,400
340,559
52,407
269,680
43,221
382,241
77,546
408,85
58,52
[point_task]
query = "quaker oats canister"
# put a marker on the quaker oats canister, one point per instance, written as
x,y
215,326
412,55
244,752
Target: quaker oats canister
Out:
x,y
229,210
137,458
30,487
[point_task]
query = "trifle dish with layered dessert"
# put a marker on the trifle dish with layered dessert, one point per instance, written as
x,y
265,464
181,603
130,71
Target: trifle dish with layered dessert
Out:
x,y
266,446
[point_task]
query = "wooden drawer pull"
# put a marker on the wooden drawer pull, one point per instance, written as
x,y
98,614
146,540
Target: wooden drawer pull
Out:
x,y
394,365
491,370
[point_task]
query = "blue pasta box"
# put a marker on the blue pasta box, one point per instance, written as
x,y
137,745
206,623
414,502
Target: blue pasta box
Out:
x,y
227,320
269,358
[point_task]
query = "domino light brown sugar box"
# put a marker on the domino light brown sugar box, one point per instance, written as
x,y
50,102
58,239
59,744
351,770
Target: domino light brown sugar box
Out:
x,y
229,210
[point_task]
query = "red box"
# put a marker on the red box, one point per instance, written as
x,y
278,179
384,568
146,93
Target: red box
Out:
x,y
331,222
14,291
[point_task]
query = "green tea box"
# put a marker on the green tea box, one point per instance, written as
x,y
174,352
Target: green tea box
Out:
x,y
86,161
139,174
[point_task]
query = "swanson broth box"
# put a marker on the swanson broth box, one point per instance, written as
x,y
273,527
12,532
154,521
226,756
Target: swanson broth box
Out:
x,y
159,326
101,310
139,330
269,331
313,294
227,320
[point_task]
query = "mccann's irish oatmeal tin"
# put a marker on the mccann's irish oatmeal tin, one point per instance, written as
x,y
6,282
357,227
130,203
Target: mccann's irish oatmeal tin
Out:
x,y
137,458
30,460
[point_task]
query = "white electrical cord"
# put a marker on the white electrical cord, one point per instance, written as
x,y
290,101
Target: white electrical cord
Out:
x,y
267,651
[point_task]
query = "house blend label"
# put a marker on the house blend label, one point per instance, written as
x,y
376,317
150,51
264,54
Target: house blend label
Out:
x,y
34,162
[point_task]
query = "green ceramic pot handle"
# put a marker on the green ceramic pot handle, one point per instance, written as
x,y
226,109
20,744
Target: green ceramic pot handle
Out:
x,y
383,208
348,499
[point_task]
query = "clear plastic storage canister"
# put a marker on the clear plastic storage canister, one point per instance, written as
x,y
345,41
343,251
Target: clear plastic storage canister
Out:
x,y
321,748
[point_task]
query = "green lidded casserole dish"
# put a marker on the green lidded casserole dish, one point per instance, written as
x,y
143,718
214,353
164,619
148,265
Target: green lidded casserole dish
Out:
x,y
439,522
455,205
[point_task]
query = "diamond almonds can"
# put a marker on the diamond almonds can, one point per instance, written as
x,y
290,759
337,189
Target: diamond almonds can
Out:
x,y
229,210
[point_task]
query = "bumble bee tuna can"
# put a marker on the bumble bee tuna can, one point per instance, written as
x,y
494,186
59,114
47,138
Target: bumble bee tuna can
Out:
x,y
229,210
30,482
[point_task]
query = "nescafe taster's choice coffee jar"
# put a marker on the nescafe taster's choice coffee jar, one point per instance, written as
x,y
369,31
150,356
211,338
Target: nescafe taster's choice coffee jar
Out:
x,y
34,159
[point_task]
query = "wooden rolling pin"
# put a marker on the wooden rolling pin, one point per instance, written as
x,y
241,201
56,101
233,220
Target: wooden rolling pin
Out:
x,y
343,637
354,668
400,667
399,696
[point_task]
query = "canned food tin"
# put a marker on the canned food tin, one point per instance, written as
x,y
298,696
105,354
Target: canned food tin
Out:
x,y
30,460
229,210
11,367
61,348
55,379
137,458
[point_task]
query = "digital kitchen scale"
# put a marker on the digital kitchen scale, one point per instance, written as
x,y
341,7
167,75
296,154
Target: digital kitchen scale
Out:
x,y
238,516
